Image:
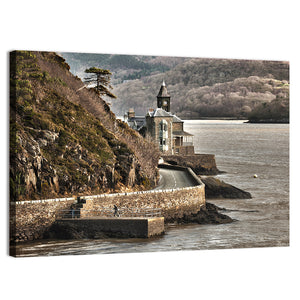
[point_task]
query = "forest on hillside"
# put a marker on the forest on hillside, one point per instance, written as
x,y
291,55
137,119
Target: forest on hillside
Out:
x,y
123,67
199,87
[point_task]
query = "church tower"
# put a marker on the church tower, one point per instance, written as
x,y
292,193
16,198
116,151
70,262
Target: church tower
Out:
x,y
163,98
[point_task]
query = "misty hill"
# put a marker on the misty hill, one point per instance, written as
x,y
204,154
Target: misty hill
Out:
x,y
64,140
209,87
199,87
123,67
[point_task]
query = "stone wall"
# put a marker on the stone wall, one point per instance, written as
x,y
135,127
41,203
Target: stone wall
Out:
x,y
177,126
173,203
184,150
153,126
201,164
30,219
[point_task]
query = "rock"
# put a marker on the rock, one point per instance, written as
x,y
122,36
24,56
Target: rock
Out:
x,y
208,214
215,188
51,136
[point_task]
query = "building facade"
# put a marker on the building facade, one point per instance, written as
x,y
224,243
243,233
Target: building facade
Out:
x,y
166,129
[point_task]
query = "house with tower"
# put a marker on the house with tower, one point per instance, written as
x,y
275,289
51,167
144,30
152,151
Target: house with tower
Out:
x,y
166,129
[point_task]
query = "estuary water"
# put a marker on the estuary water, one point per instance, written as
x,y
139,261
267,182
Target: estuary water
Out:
x,y
241,150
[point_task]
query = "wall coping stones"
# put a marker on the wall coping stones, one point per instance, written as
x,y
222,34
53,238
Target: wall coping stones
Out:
x,y
43,201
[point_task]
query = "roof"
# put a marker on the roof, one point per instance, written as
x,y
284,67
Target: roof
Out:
x,y
163,91
176,119
136,122
159,112
181,133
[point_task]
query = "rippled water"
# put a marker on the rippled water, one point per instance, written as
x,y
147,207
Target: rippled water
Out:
x,y
241,150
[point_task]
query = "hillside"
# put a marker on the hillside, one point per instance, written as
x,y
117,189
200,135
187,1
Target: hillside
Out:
x,y
64,140
276,111
199,87
123,67
209,88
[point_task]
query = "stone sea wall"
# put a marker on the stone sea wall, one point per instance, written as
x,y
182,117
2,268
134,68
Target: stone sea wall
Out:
x,y
201,164
30,220
173,203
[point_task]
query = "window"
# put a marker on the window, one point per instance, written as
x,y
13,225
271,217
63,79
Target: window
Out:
x,y
162,142
163,126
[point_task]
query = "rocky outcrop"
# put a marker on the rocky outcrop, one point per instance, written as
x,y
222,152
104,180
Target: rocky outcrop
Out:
x,y
64,140
40,176
208,214
215,188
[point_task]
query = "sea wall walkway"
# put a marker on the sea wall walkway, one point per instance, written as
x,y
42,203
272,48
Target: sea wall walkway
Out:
x,y
31,219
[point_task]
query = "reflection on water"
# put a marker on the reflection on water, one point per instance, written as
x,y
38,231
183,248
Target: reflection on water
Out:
x,y
241,150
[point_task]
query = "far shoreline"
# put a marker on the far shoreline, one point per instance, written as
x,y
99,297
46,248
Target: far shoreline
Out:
x,y
214,118
266,121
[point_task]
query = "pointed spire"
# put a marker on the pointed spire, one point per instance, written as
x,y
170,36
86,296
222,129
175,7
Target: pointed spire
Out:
x,y
163,91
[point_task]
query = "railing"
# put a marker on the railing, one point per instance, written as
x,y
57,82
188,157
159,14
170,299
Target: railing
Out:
x,y
109,212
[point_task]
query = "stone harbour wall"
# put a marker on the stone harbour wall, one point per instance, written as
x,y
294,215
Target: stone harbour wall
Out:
x,y
173,203
30,220
201,164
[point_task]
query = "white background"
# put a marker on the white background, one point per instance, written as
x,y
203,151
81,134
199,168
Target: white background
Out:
x,y
220,29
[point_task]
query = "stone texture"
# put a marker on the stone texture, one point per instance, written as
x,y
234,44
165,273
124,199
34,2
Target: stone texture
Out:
x,y
173,203
32,219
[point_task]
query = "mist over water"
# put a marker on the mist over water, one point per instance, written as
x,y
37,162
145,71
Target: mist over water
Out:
x,y
241,150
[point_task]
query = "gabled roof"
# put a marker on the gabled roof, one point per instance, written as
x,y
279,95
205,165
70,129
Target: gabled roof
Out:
x,y
136,122
159,112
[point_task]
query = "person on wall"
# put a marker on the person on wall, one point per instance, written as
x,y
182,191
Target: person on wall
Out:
x,y
116,211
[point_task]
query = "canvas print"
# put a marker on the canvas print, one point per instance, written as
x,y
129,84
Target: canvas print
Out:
x,y
131,153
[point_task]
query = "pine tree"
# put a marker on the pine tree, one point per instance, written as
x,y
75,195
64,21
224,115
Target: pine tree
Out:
x,y
101,78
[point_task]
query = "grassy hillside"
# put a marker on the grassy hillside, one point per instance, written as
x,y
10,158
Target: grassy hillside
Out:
x,y
64,140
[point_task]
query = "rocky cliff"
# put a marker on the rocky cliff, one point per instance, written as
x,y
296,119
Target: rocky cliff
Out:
x,y
64,139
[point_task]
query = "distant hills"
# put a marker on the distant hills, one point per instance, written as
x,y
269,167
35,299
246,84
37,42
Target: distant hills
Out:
x,y
199,87
123,67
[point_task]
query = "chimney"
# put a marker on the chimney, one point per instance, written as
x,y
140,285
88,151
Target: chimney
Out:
x,y
131,113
